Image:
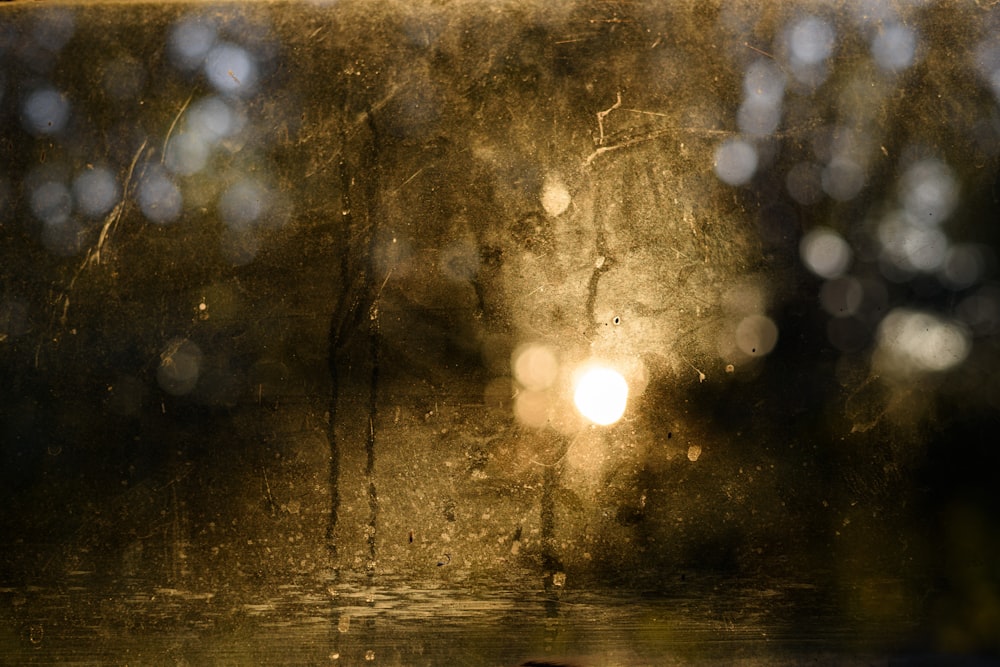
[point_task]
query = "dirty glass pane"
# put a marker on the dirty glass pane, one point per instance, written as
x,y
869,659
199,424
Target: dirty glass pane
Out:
x,y
425,333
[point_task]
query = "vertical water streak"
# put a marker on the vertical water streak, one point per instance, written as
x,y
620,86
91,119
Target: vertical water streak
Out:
x,y
356,289
374,341
551,563
603,264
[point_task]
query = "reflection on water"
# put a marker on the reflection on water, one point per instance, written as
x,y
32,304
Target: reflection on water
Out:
x,y
396,622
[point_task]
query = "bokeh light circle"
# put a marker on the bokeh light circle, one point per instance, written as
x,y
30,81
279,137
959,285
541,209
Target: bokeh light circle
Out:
x,y
601,395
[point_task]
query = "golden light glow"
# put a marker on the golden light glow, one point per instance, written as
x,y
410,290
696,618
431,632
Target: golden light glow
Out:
x,y
601,395
535,366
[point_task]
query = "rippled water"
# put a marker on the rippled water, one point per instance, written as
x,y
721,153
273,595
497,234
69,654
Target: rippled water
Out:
x,y
360,620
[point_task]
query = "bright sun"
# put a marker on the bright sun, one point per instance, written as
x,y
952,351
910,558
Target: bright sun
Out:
x,y
601,395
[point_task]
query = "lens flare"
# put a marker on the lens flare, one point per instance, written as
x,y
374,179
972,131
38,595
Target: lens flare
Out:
x,y
601,395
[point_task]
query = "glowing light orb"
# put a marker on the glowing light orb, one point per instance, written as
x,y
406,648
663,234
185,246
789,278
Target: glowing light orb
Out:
x,y
601,395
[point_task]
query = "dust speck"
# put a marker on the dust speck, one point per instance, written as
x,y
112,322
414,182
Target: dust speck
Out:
x,y
694,451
